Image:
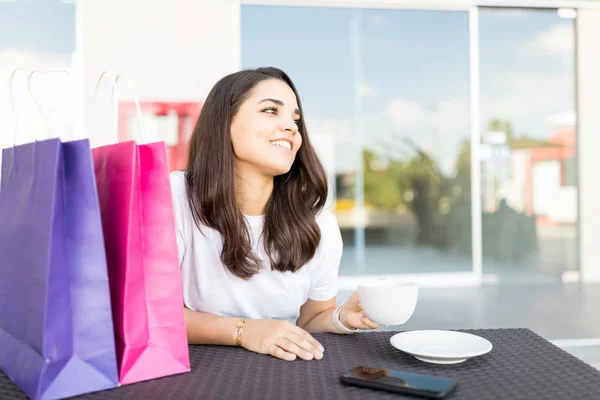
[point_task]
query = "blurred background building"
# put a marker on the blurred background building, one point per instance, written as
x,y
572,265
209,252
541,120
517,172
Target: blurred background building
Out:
x,y
460,137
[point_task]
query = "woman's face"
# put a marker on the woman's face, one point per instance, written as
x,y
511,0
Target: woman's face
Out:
x,y
264,131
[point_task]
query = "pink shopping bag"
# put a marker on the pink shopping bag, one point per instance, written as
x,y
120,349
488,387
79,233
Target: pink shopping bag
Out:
x,y
141,249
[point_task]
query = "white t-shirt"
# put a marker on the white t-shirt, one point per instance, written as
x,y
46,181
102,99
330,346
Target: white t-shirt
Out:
x,y
209,287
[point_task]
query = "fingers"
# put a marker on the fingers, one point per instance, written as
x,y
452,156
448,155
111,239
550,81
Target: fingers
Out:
x,y
354,302
293,348
305,344
368,323
360,321
282,354
308,342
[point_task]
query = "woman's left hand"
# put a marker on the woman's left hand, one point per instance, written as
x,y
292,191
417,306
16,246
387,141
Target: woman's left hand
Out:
x,y
352,315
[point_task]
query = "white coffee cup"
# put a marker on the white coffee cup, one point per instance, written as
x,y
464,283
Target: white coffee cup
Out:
x,y
388,302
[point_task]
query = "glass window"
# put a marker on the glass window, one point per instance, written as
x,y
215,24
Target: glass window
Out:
x,y
386,94
529,175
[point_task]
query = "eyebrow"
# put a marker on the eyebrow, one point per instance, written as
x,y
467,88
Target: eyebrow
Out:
x,y
280,103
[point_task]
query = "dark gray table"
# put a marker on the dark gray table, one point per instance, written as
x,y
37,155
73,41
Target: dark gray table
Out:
x,y
522,365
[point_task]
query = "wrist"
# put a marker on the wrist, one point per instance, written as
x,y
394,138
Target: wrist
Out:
x,y
239,331
337,321
343,313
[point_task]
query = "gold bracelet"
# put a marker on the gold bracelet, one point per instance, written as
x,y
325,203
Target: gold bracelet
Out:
x,y
240,330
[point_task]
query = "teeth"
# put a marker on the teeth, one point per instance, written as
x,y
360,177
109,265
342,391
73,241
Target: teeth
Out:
x,y
282,143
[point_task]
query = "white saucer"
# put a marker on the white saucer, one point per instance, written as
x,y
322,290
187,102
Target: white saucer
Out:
x,y
441,347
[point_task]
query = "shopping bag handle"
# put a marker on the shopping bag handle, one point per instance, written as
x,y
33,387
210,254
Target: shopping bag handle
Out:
x,y
115,106
30,91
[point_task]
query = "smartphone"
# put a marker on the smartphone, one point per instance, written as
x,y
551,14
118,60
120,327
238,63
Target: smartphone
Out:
x,y
390,380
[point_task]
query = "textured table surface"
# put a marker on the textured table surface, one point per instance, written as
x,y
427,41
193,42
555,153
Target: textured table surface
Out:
x,y
522,365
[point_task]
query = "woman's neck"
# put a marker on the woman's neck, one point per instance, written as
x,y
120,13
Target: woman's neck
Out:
x,y
253,191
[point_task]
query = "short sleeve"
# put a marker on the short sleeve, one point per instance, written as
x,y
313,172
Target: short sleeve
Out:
x,y
326,264
181,211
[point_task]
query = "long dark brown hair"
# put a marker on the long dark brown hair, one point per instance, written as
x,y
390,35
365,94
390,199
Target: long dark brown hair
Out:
x,y
291,234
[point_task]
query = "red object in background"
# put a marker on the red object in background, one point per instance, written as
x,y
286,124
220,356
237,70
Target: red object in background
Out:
x,y
566,139
187,114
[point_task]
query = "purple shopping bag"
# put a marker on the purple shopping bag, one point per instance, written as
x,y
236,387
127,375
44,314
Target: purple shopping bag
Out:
x,y
56,330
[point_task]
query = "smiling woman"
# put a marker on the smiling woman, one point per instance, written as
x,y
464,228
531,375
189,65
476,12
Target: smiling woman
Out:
x,y
268,150
259,255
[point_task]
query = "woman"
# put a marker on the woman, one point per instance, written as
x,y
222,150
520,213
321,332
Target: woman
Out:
x,y
259,255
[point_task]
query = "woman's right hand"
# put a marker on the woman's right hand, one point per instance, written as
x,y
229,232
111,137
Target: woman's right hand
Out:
x,y
280,339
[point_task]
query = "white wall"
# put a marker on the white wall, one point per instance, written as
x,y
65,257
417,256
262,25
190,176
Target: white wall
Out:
x,y
546,185
171,51
588,32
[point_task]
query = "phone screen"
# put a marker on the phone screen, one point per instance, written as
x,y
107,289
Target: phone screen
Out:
x,y
400,380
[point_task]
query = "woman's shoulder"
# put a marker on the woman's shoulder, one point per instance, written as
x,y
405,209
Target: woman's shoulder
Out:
x,y
177,179
181,204
179,193
326,219
330,230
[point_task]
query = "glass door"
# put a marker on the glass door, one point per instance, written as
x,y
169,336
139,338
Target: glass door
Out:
x,y
528,144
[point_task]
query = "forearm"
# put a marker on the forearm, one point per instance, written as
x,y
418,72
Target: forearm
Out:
x,y
205,328
321,323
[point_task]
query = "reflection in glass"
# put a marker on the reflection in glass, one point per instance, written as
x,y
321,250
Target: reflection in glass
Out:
x,y
414,126
528,168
